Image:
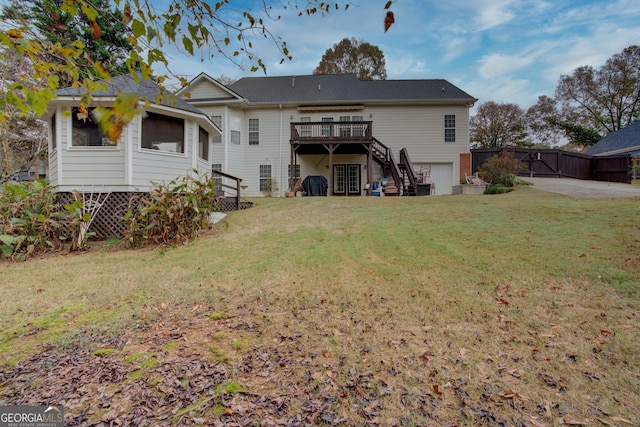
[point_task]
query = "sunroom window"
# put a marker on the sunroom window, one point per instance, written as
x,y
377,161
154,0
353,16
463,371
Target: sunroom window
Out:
x,y
203,144
163,133
85,131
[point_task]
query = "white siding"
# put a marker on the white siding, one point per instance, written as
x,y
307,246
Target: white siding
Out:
x,y
87,166
53,152
204,89
232,121
273,149
421,131
53,168
151,168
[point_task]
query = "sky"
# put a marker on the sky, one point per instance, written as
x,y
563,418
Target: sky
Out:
x,y
495,50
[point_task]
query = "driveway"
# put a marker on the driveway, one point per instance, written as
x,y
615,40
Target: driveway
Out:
x,y
584,189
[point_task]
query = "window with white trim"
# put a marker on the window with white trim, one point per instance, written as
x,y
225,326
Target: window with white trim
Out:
x,y
85,131
254,131
305,130
54,142
297,172
265,175
327,128
358,129
203,144
217,176
234,137
345,129
163,133
449,128
217,120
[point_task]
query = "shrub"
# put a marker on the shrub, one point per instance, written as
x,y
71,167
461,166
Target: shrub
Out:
x,y
172,213
31,222
501,169
28,220
496,189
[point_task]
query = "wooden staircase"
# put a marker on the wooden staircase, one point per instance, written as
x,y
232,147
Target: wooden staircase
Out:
x,y
409,179
402,173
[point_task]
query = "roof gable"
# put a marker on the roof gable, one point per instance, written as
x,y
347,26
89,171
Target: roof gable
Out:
x,y
205,88
625,139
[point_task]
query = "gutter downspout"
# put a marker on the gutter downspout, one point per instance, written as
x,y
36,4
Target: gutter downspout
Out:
x,y
280,154
225,141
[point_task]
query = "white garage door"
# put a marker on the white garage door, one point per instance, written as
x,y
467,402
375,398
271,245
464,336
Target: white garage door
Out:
x,y
441,175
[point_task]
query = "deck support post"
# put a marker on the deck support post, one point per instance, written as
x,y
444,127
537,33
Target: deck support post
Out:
x,y
292,179
330,148
369,149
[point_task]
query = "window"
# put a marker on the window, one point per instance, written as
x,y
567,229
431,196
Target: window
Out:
x,y
265,175
54,142
449,128
203,144
254,131
163,133
345,129
297,172
326,129
235,137
216,176
86,133
305,130
217,120
358,130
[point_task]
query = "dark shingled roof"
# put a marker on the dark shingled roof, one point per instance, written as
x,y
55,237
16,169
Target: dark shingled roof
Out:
x,y
628,137
344,88
146,89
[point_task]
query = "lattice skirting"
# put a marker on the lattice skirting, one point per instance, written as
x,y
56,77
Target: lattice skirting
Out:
x,y
110,219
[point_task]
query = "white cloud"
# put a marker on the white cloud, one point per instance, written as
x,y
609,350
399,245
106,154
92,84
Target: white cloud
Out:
x,y
507,90
495,64
492,13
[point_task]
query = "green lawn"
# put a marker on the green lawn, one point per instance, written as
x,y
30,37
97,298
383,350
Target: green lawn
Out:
x,y
447,310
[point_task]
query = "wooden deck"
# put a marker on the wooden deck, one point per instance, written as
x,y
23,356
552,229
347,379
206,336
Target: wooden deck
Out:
x,y
350,137
304,133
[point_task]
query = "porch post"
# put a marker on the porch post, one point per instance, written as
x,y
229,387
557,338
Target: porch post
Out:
x,y
292,168
330,149
330,189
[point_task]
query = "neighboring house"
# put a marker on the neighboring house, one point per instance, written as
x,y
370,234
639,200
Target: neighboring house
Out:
x,y
351,132
623,141
165,141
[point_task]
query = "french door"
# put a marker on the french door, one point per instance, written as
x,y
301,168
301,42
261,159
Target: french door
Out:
x,y
346,180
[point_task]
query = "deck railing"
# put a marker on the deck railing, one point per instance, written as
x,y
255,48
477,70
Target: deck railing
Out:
x,y
330,131
237,187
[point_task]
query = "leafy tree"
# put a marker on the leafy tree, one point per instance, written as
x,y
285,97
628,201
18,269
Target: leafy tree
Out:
x,y
198,27
23,138
595,102
226,80
498,125
541,121
351,56
105,40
